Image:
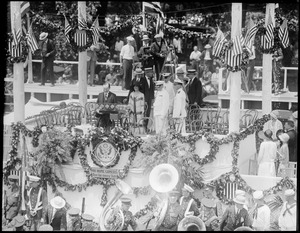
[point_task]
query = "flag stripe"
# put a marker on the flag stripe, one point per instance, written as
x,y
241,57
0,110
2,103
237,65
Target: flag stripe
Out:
x,y
283,34
31,41
153,7
80,38
25,6
231,59
219,42
67,30
237,47
14,52
82,24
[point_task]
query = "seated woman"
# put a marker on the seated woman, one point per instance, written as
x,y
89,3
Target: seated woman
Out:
x,y
206,81
67,75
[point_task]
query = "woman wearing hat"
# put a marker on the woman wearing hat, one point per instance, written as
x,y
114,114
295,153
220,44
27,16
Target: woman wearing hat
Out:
x,y
12,198
273,124
144,54
56,214
267,154
235,215
282,152
17,223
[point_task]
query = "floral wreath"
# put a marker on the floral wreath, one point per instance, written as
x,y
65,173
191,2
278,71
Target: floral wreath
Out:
x,y
24,53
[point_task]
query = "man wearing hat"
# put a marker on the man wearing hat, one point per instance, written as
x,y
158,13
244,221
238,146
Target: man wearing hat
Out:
x,y
208,193
187,202
12,198
159,50
160,108
74,223
206,56
36,202
194,88
208,213
48,54
56,214
126,60
274,124
174,213
242,193
267,155
169,86
261,213
17,223
180,106
235,215
287,220
289,128
144,53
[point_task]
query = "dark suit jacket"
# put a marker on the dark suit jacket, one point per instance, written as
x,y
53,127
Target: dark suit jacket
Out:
x,y
195,91
50,49
112,98
231,220
60,218
147,91
292,144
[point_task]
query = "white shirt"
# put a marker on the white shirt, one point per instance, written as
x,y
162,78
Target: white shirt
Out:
x,y
148,80
289,220
119,45
169,86
179,110
195,55
127,52
262,221
161,103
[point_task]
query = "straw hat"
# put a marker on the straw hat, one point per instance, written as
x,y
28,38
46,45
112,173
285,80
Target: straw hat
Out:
x,y
174,193
265,135
126,201
185,186
180,71
239,199
148,69
34,178
138,71
57,202
87,217
166,74
284,137
289,192
208,46
45,227
273,114
130,38
145,37
43,35
240,192
158,36
258,195
191,71
74,211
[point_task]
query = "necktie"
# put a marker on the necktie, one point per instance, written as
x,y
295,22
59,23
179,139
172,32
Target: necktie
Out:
x,y
54,211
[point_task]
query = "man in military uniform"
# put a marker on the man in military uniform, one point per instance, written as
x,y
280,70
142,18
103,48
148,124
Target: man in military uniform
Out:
x,y
12,198
208,213
87,223
74,220
36,202
188,204
208,193
173,215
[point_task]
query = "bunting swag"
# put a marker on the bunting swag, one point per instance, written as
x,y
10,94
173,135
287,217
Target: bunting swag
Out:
x,y
80,38
283,34
13,50
31,41
153,7
237,46
67,29
96,31
250,33
265,44
231,59
219,42
269,32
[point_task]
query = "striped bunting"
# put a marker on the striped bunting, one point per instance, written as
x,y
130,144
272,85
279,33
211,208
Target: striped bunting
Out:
x,y
153,7
250,32
16,34
67,29
283,34
265,44
14,52
160,25
269,33
218,44
31,41
82,24
25,7
95,28
80,37
231,59
229,190
237,46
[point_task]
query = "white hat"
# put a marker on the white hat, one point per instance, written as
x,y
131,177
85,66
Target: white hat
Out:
x,y
34,178
45,227
158,36
289,192
284,137
295,114
157,83
208,46
240,192
239,199
43,35
258,195
177,80
57,202
130,38
188,188
273,114
145,37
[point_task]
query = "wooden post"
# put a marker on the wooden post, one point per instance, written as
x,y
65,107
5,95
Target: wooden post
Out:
x,y
82,63
267,69
30,75
235,84
18,85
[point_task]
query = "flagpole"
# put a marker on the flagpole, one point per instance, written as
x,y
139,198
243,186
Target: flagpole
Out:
x,y
267,68
18,72
235,84
30,74
144,15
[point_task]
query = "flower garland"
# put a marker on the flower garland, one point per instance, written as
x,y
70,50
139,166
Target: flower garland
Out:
x,y
150,206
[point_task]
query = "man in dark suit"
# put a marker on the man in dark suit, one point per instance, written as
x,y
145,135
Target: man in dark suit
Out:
x,y
56,214
48,54
194,88
235,215
103,98
147,88
292,142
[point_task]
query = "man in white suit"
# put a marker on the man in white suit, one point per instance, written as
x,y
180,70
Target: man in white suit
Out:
x,y
180,103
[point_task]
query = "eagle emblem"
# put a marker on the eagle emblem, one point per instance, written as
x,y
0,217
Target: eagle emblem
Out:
x,y
104,154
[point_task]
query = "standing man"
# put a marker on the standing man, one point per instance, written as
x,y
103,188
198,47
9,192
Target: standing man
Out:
x,y
118,46
173,215
126,59
292,142
180,104
74,220
159,49
144,53
208,193
187,203
261,213
169,86
208,214
48,54
195,60
56,215
160,108
12,198
36,202
147,85
194,88
92,59
287,220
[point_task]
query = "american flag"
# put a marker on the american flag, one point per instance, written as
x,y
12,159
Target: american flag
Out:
x,y
160,25
31,41
264,44
96,31
283,34
237,45
153,7
219,42
269,32
25,6
14,51
82,24
67,29
231,59
16,34
80,37
250,32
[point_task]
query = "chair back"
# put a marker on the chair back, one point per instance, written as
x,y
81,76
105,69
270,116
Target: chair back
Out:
x,y
89,111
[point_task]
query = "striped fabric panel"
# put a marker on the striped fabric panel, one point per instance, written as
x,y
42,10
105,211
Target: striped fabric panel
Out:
x,y
250,34
80,38
13,50
229,190
82,24
67,29
265,44
153,7
25,6
31,41
219,42
237,46
231,59
283,34
270,28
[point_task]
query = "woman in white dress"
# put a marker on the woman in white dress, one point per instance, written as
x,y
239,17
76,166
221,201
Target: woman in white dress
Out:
x,y
267,154
274,125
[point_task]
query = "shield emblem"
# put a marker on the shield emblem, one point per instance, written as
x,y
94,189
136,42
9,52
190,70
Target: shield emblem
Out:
x,y
105,154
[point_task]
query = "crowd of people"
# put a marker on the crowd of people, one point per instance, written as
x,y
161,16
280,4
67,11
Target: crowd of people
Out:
x,y
182,207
